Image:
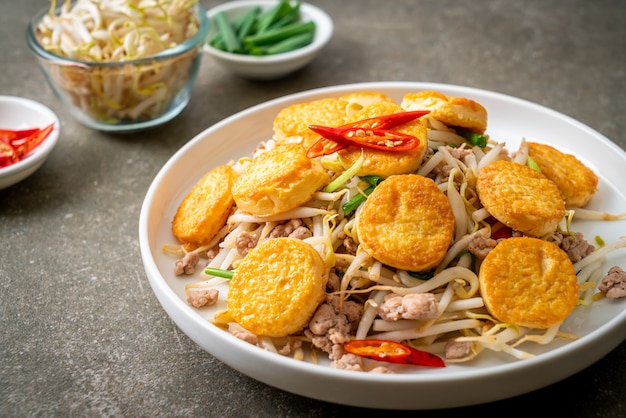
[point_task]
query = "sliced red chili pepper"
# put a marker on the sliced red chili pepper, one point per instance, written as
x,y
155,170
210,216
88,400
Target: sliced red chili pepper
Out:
x,y
8,155
387,121
326,145
392,352
33,141
504,232
10,136
381,139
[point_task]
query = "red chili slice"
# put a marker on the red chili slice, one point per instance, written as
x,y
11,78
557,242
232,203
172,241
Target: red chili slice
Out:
x,y
8,155
387,121
504,232
33,141
10,137
14,145
392,352
328,144
380,139
324,146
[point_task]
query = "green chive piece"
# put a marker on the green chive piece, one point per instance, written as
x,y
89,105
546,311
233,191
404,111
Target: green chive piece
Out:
x,y
472,137
226,274
231,41
532,164
291,16
354,203
272,15
599,241
247,23
290,44
422,276
280,34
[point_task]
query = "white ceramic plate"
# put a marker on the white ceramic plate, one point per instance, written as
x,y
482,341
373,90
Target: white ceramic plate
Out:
x,y
492,376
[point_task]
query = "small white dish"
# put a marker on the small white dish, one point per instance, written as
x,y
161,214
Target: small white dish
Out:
x,y
491,376
20,113
269,67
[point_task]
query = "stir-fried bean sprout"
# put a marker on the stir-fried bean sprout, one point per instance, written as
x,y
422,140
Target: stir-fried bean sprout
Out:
x,y
114,73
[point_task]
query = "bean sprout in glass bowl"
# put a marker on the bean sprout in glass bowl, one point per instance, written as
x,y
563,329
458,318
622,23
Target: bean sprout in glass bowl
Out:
x,y
120,69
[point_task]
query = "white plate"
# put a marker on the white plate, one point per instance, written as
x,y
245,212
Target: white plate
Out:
x,y
492,376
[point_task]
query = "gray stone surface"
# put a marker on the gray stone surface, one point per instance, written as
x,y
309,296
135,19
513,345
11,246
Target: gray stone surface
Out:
x,y
81,333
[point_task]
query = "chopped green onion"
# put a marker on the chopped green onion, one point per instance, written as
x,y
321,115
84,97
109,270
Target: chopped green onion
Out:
x,y
291,17
272,15
277,35
532,164
237,23
472,137
426,275
354,203
226,274
600,241
346,175
229,36
285,45
247,23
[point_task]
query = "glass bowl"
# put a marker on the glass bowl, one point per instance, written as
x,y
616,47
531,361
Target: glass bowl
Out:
x,y
122,96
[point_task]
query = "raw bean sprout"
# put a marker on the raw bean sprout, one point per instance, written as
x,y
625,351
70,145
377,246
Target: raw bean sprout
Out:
x,y
104,39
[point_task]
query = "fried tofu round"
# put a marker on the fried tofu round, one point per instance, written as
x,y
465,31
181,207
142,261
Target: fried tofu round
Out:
x,y
278,180
203,212
359,100
277,287
576,182
292,123
452,111
521,198
407,223
386,163
529,282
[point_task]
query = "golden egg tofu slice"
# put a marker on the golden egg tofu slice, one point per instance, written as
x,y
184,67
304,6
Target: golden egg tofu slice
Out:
x,y
529,282
362,99
577,183
521,198
278,180
452,111
386,163
291,124
277,287
204,210
407,223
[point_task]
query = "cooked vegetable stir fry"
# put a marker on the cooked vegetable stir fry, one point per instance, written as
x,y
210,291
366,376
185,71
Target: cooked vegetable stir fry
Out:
x,y
428,254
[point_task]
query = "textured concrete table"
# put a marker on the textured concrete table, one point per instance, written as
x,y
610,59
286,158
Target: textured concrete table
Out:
x,y
81,333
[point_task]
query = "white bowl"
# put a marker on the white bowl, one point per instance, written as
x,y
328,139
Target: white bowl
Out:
x,y
21,113
271,66
491,376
